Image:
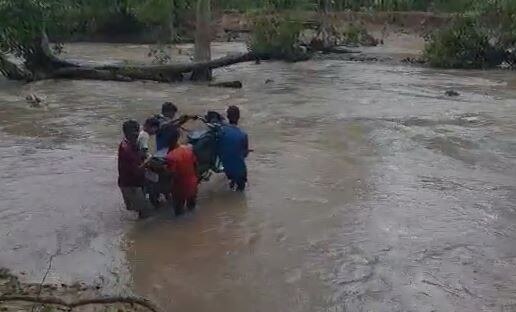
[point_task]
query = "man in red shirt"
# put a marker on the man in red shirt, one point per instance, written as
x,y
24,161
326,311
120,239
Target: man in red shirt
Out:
x,y
182,164
131,174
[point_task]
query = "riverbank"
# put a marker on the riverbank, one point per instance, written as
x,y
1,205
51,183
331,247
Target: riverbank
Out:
x,y
16,296
235,26
401,35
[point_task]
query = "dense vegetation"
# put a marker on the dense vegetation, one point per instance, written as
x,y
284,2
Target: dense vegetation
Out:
x,y
276,37
483,34
389,5
483,37
25,24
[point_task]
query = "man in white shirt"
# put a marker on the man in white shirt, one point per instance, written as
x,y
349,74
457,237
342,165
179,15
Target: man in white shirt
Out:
x,y
150,128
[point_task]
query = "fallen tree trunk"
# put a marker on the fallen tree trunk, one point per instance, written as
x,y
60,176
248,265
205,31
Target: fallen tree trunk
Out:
x,y
13,71
41,63
161,73
227,84
172,71
337,50
88,73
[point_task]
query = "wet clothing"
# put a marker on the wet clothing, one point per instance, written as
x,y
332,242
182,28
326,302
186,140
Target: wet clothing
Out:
x,y
135,200
181,162
233,149
166,130
131,178
179,204
129,160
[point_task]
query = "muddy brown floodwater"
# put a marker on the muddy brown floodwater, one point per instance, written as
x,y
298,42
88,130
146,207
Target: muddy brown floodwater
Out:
x,y
370,190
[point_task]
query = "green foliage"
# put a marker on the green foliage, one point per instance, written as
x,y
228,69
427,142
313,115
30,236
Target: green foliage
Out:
x,y
481,38
355,34
390,5
22,23
462,45
159,12
276,37
249,5
453,6
498,17
160,54
153,11
289,4
48,308
406,5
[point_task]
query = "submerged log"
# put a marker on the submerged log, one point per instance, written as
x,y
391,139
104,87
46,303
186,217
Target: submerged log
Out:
x,y
88,73
227,84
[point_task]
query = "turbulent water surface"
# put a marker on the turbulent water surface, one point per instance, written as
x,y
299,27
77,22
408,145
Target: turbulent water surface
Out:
x,y
370,190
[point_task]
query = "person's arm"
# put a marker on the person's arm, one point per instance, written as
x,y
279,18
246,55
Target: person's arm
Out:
x,y
143,145
120,159
246,146
146,161
182,120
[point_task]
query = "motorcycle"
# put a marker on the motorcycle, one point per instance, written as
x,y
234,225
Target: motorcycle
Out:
x,y
204,145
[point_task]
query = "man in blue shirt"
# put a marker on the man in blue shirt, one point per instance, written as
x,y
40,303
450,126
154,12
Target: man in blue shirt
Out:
x,y
233,150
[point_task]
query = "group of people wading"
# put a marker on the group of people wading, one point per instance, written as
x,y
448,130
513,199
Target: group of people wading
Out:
x,y
174,182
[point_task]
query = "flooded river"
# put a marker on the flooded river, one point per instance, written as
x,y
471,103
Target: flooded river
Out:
x,y
370,190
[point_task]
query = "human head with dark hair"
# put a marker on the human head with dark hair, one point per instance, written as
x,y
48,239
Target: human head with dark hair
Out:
x,y
213,117
131,129
151,125
168,109
173,139
233,114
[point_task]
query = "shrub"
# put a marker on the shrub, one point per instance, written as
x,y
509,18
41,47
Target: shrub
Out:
x,y
462,45
357,35
277,37
481,38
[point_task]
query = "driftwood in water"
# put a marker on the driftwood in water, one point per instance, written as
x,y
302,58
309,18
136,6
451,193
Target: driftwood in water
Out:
x,y
227,84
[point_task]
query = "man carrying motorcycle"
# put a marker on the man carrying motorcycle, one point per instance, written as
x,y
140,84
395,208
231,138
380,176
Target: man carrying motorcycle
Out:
x,y
233,149
168,128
